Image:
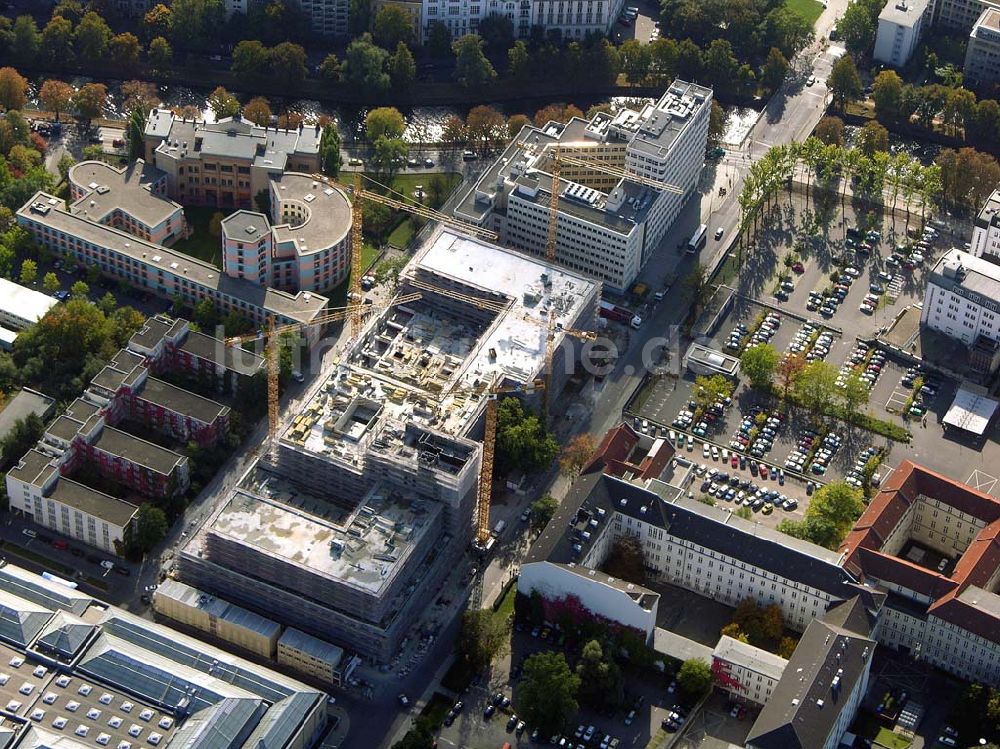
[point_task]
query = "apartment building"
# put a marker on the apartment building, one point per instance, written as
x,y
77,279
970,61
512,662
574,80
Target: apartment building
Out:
x,y
369,501
982,53
572,19
132,199
744,672
607,226
901,25
161,271
933,544
85,673
21,306
960,299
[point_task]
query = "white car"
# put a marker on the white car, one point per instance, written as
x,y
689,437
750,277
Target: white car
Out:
x,y
705,452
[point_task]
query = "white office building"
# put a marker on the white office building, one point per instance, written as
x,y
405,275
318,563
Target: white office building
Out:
x,y
962,298
900,26
21,306
608,226
986,230
574,19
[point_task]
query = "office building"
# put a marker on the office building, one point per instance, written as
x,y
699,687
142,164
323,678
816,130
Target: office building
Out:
x,y
744,672
21,306
934,545
986,229
369,500
960,15
901,25
608,226
961,298
122,394
311,656
982,53
80,672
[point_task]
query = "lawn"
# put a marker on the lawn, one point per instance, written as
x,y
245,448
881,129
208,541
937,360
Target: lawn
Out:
x,y
369,255
505,607
401,235
868,726
407,183
201,244
808,9
436,709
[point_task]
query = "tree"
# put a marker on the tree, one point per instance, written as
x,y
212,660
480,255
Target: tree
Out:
x,y
92,37
485,129
522,441
787,30
601,682
635,59
402,67
50,283
721,64
576,453
330,69
516,123
22,437
329,151
759,364
65,162
251,59
384,122
29,272
359,16
364,66
288,63
13,89
762,625
872,138
519,62
125,49
57,40
542,510
388,156
733,630
89,100
420,736
709,390
472,69
859,24
158,20
626,560
25,40
775,68
497,31
716,125
967,176
548,692
887,93
223,103
830,131
150,527
697,285
694,677
483,637
788,370
831,514
79,290
193,20
258,111
161,54
56,96
392,26
439,40
815,386
844,82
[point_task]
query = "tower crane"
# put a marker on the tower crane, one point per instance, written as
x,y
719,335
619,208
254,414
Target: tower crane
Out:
x,y
550,350
357,220
272,357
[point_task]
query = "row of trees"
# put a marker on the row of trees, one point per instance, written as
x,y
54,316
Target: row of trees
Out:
x,y
87,101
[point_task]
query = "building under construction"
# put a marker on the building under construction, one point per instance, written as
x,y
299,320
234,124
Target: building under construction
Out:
x,y
349,532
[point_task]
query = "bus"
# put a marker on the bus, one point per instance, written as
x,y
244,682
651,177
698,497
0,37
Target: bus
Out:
x,y
697,239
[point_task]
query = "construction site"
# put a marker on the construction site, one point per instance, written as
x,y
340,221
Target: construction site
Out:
x,y
373,488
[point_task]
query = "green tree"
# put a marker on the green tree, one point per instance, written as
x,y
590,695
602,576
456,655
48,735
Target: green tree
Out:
x,y
759,364
359,16
522,441
251,59
547,697
831,514
29,272
13,89
787,30
439,40
388,270
601,682
223,103
844,82
193,21
519,62
497,31
472,69
635,60
364,66
542,510
125,49
716,125
775,69
697,285
483,638
79,290
22,437
161,54
815,386
206,315
830,131
709,390
25,40
92,37
859,24
872,138
330,69
384,122
65,162
392,26
150,527
50,283
887,92
626,560
694,677
402,67
57,40
853,394
288,63
388,155
721,64
329,151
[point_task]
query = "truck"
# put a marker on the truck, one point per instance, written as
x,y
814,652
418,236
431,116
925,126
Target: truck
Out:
x,y
620,314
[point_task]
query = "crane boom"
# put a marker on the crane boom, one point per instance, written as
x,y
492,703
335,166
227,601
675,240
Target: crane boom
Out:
x,y
550,240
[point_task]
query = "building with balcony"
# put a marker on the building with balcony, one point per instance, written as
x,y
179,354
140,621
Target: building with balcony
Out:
x,y
608,226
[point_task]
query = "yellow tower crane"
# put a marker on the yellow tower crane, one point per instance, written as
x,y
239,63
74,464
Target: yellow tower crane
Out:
x,y
272,358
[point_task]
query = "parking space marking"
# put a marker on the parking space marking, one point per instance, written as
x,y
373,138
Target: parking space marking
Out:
x,y
982,481
897,400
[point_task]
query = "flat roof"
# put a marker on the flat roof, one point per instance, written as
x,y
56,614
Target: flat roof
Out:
x,y
30,466
322,650
25,403
115,511
681,648
903,12
212,349
327,211
217,607
246,226
107,189
129,447
746,655
154,330
181,401
990,19
301,307
963,272
23,303
971,411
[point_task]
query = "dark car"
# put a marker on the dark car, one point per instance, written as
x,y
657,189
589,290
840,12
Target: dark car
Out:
x,y
123,571
488,712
